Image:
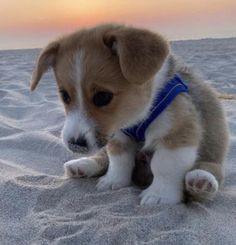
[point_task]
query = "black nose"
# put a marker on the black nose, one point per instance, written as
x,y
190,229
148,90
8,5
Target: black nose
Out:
x,y
81,142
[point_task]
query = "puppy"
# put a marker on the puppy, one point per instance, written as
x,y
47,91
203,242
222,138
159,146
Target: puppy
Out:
x,y
124,92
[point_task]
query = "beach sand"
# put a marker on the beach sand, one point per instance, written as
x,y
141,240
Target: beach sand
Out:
x,y
40,206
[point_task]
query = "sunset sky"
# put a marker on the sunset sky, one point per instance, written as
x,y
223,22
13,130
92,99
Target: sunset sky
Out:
x,y
30,24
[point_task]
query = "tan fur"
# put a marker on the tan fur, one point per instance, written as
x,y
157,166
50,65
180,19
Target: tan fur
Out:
x,y
101,159
124,60
214,144
45,61
65,80
102,71
115,147
186,130
215,138
152,50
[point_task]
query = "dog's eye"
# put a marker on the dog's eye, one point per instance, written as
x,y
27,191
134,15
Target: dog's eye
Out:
x,y
102,98
65,97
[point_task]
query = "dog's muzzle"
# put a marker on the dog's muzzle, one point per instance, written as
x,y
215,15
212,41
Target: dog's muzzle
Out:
x,y
79,145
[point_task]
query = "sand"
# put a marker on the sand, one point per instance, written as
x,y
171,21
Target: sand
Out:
x,y
39,206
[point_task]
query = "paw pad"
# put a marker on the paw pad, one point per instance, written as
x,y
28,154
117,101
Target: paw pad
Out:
x,y
201,182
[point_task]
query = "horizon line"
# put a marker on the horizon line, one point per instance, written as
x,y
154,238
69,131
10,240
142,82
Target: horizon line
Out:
x,y
173,40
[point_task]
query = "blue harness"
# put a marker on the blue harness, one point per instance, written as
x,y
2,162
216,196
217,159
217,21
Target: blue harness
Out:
x,y
163,98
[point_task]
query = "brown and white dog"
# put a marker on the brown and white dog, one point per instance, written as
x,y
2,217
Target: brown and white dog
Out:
x,y
107,77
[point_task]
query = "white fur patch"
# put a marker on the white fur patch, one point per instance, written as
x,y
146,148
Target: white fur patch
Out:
x,y
159,128
78,79
120,168
83,167
77,123
201,182
119,172
168,168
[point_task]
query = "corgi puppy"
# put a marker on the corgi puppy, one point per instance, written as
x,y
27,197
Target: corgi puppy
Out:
x,y
124,93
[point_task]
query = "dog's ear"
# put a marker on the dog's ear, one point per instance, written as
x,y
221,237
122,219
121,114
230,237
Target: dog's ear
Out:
x,y
141,52
46,60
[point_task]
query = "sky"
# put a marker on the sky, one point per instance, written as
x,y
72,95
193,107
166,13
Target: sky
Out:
x,y
32,24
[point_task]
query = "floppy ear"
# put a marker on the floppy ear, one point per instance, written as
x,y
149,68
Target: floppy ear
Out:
x,y
141,52
46,60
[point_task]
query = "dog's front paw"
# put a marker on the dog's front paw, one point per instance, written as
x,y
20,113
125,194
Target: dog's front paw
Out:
x,y
83,167
158,193
112,182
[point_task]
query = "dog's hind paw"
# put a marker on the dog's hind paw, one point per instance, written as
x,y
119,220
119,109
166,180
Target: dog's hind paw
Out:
x,y
199,181
83,167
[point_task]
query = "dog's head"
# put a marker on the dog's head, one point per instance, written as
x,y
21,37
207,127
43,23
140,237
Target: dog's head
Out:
x,y
104,76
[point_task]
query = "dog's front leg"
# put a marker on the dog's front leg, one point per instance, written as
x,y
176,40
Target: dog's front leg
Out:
x,y
121,154
87,166
169,167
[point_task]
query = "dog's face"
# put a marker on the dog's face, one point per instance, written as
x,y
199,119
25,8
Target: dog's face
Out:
x,y
104,76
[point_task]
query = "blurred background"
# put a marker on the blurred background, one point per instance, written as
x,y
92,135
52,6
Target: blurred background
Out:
x,y
31,24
